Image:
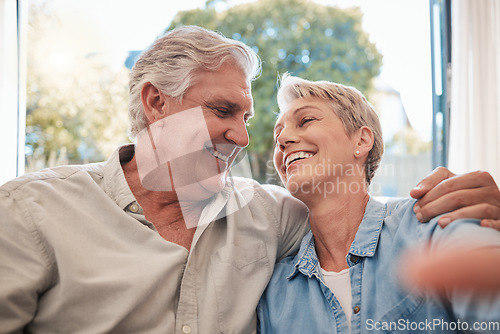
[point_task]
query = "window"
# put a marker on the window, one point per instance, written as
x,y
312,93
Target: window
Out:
x,y
402,92
78,53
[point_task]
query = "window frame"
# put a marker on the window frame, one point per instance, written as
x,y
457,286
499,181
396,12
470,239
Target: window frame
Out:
x,y
13,86
440,20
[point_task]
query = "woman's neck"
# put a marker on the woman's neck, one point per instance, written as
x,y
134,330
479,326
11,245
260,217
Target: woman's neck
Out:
x,y
334,222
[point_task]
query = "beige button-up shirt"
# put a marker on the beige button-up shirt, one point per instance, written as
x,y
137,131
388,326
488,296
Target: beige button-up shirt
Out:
x,y
78,256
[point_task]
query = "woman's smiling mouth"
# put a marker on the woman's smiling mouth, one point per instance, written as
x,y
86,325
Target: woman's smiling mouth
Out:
x,y
295,156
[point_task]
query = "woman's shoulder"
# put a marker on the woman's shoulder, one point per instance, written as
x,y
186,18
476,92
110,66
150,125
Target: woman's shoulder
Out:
x,y
397,205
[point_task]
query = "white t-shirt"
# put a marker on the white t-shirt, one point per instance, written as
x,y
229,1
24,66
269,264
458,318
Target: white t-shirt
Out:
x,y
340,284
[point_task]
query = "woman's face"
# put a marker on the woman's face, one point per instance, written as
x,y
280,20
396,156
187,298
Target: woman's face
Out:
x,y
312,146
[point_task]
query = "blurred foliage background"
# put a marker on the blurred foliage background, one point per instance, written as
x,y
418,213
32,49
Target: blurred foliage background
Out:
x,y
306,39
78,113
76,109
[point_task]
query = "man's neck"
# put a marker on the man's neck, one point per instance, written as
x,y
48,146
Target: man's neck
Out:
x,y
162,208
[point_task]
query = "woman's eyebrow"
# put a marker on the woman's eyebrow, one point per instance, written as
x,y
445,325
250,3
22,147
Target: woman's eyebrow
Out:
x,y
305,107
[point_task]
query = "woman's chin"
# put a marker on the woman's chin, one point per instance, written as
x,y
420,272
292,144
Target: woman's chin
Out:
x,y
297,184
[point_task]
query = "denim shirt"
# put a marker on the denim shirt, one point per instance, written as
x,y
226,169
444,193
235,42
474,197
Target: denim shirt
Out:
x,y
298,301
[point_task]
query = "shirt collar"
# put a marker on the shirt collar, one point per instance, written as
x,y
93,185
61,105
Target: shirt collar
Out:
x,y
306,261
366,239
115,184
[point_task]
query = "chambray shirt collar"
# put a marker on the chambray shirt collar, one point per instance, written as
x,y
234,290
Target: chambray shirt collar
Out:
x,y
366,240
306,261
364,244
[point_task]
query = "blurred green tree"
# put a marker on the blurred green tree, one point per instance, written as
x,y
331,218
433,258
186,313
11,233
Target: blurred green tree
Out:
x,y
309,40
76,104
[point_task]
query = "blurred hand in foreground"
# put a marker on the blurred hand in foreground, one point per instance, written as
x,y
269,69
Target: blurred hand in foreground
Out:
x,y
457,269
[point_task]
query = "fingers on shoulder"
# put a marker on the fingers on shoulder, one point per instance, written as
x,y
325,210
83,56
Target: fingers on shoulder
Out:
x,y
493,223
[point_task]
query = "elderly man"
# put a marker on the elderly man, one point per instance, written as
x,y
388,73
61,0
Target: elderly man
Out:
x,y
158,239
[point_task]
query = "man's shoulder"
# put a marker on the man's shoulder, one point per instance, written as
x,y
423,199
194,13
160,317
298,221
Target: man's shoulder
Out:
x,y
94,170
270,193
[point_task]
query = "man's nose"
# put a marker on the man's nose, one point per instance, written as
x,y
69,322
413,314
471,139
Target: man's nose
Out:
x,y
238,133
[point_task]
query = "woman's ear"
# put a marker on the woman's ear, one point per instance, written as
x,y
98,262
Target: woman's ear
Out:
x,y
153,102
364,141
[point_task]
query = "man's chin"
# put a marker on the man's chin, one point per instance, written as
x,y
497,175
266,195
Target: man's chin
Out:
x,y
202,190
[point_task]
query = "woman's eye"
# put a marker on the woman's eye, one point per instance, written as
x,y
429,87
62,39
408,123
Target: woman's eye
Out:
x,y
306,120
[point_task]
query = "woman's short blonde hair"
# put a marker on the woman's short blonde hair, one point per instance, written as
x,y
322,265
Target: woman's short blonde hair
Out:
x,y
347,103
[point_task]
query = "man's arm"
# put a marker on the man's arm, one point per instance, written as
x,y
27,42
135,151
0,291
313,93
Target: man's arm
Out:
x,y
24,269
471,195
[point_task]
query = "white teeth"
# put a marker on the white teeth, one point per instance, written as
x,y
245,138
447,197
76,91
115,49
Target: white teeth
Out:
x,y
297,155
217,154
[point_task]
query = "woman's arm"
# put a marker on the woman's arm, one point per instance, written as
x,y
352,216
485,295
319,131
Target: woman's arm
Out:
x,y
458,268
460,263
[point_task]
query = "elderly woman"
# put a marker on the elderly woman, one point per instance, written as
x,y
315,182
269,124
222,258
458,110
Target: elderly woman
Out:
x,y
345,276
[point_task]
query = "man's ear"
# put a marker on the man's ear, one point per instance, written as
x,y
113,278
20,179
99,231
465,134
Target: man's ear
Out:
x,y
364,140
153,102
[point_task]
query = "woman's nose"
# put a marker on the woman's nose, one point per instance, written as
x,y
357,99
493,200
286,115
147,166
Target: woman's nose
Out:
x,y
286,138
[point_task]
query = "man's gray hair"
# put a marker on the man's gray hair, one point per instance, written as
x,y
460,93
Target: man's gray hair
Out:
x,y
170,63
348,103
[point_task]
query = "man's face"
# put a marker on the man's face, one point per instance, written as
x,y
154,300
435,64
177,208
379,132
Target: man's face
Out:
x,y
201,136
226,102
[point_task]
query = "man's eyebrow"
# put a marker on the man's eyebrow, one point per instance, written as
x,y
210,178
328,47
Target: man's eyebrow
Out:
x,y
231,106
225,103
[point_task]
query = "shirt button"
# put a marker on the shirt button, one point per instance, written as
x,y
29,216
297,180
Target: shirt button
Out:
x,y
354,258
134,208
356,309
186,329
